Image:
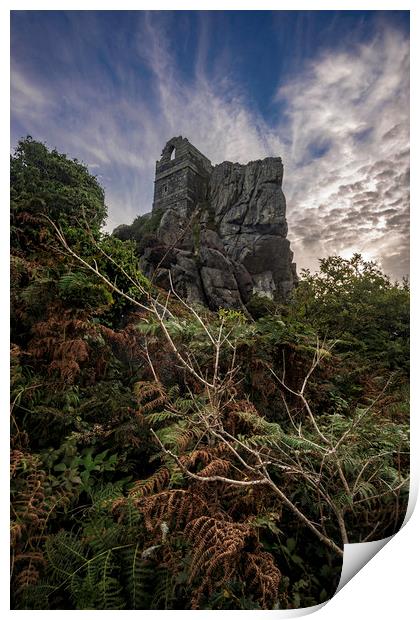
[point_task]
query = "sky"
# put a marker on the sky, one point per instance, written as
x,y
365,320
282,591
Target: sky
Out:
x,y
328,91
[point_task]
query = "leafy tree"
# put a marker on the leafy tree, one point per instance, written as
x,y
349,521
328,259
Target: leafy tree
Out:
x,y
71,373
354,301
47,182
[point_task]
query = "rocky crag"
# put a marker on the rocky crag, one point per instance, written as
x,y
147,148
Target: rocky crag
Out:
x,y
220,231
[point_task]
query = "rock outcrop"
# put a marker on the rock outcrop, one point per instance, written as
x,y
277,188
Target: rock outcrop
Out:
x,y
250,213
222,235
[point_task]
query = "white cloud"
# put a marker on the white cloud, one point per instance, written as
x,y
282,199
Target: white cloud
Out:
x,y
29,101
357,102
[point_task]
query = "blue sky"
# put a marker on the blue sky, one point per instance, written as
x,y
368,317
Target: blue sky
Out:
x,y
328,91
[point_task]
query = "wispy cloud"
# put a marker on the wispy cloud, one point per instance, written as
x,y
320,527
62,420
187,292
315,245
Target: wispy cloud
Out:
x,y
356,195
344,139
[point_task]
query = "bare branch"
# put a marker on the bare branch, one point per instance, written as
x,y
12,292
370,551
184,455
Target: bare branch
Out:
x,y
190,474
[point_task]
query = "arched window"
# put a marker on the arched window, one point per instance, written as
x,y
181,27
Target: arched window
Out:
x,y
173,153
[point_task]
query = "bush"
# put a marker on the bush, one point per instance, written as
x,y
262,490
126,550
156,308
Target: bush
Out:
x,y
353,301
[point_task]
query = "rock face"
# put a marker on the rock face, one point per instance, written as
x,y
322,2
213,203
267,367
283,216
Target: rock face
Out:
x,y
222,234
250,212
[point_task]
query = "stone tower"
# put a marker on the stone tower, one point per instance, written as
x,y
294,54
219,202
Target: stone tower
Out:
x,y
182,177
222,233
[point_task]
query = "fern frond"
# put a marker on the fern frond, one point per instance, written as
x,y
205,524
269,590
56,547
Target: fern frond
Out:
x,y
158,417
97,585
34,597
163,589
223,551
72,281
102,495
186,405
65,553
110,591
179,436
218,467
150,395
262,578
102,533
176,508
139,576
155,483
365,490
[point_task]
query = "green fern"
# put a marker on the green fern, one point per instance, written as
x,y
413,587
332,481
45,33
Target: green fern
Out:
x,y
164,590
65,553
103,533
159,417
180,436
35,597
110,591
138,575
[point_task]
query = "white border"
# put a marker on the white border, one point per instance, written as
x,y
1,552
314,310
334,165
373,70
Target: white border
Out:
x,y
387,586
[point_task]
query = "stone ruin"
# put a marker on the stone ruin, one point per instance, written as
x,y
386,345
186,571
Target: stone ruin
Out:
x,y
222,236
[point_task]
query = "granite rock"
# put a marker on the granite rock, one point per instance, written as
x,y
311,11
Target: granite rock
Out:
x,y
250,212
223,233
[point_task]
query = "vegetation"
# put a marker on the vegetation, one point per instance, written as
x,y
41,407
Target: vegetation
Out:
x,y
142,231
167,457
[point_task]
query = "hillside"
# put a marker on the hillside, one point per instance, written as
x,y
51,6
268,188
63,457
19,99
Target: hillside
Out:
x,y
169,456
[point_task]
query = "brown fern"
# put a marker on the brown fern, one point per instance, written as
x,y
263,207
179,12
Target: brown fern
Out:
x,y
235,424
151,395
127,343
29,514
225,551
60,342
218,467
203,455
31,508
29,574
176,508
157,482
262,577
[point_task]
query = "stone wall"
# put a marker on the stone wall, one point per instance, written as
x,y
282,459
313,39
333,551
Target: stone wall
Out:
x,y
182,176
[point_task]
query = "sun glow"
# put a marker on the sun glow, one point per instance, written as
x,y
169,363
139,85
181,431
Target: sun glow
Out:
x,y
347,253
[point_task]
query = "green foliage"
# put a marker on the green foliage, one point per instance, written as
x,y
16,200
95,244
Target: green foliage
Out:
x,y
231,317
354,301
91,581
121,449
122,270
259,306
77,471
141,231
46,182
78,291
